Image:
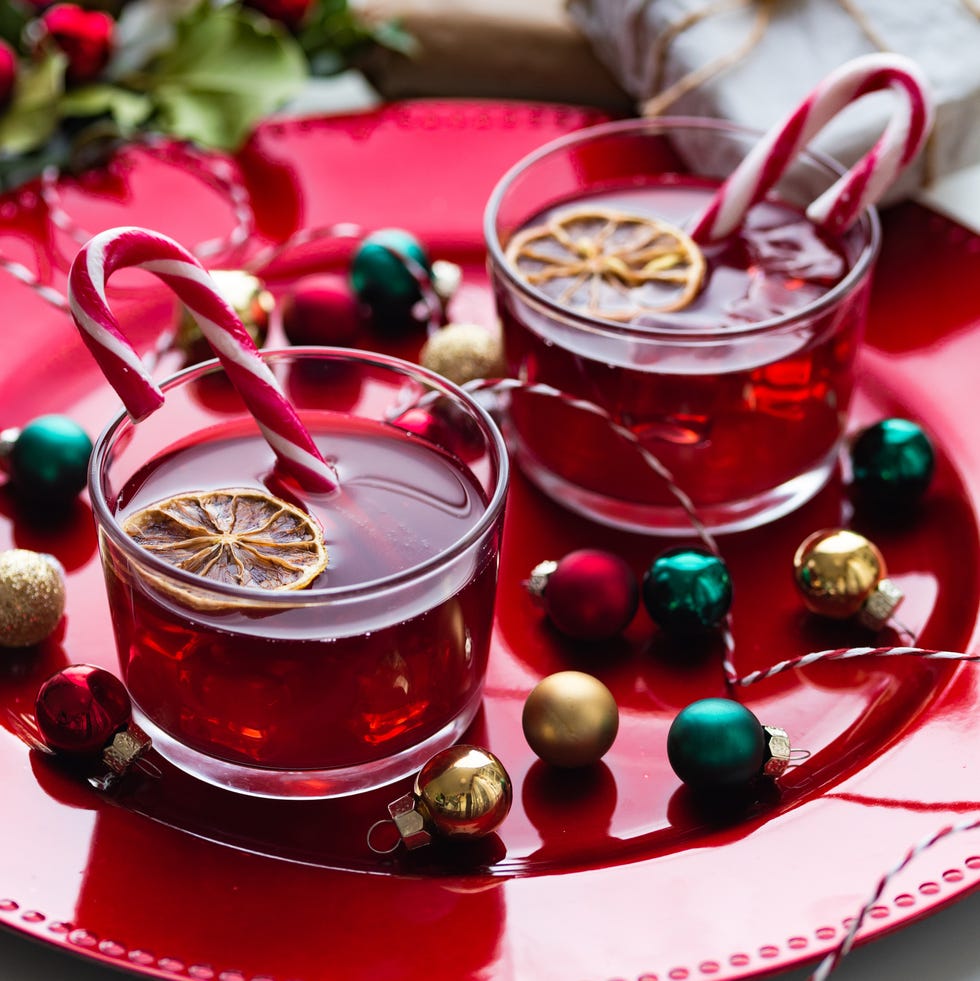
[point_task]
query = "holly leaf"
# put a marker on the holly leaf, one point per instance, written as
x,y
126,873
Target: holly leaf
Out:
x,y
226,71
128,109
33,116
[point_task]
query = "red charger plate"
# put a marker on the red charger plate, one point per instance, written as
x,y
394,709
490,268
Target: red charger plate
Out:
x,y
612,873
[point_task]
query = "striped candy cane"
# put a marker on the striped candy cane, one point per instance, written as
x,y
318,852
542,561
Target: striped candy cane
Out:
x,y
838,207
119,248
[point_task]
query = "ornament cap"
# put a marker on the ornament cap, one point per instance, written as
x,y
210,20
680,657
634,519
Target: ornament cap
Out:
x,y
537,582
125,748
878,608
446,278
779,750
7,439
409,821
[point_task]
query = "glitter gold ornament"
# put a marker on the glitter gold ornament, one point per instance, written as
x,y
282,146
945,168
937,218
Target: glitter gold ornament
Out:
x,y
462,792
841,574
462,352
570,719
32,597
250,300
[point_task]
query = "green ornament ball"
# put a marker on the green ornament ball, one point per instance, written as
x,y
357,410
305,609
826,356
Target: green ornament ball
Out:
x,y
687,590
716,744
379,274
49,458
892,462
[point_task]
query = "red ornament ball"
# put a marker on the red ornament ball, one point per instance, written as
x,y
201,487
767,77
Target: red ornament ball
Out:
x,y
8,73
85,36
322,310
80,708
591,595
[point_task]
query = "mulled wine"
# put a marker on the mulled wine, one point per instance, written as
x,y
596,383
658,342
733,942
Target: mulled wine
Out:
x,y
379,660
730,365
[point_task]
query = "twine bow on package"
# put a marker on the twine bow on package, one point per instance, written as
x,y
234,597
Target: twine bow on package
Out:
x,y
751,61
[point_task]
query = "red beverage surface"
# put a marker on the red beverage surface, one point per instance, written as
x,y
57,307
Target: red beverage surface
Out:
x,y
730,419
323,686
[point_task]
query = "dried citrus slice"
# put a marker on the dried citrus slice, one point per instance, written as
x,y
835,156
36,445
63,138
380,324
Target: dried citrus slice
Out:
x,y
609,264
237,536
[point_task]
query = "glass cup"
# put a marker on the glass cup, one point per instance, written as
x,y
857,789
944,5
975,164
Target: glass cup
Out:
x,y
353,682
745,414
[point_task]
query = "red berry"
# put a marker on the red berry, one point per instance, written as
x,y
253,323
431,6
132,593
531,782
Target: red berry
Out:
x,y
8,73
591,595
80,708
321,310
289,12
85,36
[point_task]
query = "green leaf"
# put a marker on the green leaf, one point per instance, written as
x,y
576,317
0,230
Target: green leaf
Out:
x,y
33,116
226,71
13,19
128,109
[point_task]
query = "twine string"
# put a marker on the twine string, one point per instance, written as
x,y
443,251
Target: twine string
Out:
x,y
697,77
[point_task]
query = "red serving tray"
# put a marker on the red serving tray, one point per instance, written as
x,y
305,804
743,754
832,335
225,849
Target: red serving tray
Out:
x,y
610,873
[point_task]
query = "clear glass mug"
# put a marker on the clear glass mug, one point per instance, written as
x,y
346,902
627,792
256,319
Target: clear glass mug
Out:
x,y
337,688
747,416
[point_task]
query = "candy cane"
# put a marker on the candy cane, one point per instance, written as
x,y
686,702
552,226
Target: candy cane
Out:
x,y
119,248
839,206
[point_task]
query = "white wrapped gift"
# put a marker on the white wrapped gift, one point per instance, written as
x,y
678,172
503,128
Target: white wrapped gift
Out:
x,y
761,57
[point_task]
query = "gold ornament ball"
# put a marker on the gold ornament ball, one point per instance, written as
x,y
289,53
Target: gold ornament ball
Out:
x,y
836,571
246,295
32,597
464,792
570,719
462,352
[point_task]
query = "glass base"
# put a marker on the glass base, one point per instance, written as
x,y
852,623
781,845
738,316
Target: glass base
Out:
x,y
306,784
674,522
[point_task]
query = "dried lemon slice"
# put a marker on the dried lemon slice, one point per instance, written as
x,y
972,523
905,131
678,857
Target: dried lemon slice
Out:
x,y
609,264
236,536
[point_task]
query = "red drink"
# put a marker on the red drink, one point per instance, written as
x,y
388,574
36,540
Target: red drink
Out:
x,y
336,687
742,394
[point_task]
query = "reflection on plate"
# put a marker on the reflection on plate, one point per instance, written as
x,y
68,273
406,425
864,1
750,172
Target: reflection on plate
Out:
x,y
611,873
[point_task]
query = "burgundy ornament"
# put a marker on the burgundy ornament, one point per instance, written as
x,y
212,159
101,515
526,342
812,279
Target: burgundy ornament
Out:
x,y
85,711
322,310
589,595
85,36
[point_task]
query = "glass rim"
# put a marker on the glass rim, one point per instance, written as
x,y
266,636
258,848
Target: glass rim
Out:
x,y
664,332
287,599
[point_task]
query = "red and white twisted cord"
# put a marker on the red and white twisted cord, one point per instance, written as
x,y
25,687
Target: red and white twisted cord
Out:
x,y
833,959
493,386
848,653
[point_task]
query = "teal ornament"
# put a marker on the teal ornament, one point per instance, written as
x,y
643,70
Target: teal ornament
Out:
x,y
892,463
717,744
687,590
381,276
48,458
